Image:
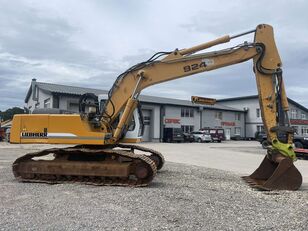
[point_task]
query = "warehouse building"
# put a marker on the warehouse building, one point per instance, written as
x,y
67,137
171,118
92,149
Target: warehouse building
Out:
x,y
234,115
298,114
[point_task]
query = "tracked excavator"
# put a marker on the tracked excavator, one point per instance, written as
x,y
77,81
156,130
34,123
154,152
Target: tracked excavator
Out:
x,y
102,155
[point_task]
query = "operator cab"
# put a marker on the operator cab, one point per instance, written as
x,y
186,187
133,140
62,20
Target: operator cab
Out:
x,y
136,126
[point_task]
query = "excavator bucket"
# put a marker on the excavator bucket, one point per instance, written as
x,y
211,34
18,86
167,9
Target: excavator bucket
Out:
x,y
276,172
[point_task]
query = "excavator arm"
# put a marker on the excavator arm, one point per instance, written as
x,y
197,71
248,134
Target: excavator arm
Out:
x,y
99,159
180,63
277,170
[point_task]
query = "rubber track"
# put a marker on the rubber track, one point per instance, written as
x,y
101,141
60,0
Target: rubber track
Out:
x,y
144,149
111,181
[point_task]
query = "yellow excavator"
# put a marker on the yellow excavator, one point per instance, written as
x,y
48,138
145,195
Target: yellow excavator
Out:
x,y
100,156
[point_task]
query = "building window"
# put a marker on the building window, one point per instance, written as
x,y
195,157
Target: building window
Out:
x,y
191,112
187,128
36,93
305,131
293,114
55,101
146,120
303,116
74,107
295,129
47,103
237,131
237,116
218,115
258,113
187,112
260,128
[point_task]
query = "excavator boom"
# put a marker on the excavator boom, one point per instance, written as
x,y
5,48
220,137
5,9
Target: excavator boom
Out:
x,y
111,125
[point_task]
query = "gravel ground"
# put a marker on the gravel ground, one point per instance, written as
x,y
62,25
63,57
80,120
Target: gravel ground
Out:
x,y
182,197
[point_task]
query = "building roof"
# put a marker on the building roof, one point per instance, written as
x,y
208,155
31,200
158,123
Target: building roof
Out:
x,y
7,123
169,101
256,97
72,90
238,98
63,89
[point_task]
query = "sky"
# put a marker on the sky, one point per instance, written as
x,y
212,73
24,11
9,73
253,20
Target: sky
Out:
x,y
89,43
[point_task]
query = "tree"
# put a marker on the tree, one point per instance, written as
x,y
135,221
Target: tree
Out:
x,y
9,113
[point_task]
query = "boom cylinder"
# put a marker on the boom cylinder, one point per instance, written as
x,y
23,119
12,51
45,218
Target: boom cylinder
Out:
x,y
215,42
203,46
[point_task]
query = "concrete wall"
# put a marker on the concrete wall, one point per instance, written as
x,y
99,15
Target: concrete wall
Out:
x,y
69,103
39,101
252,121
228,121
173,113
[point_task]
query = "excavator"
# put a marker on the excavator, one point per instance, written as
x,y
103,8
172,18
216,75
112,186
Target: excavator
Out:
x,y
103,130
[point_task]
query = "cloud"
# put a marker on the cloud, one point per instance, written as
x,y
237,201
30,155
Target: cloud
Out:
x,y
89,43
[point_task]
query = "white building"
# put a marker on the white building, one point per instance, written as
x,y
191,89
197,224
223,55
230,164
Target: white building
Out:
x,y
237,116
298,114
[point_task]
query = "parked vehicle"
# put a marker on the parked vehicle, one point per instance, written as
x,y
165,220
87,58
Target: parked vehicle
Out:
x,y
217,134
201,136
188,137
2,134
236,137
173,135
299,141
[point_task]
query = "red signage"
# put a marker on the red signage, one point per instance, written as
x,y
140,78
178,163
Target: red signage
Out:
x,y
224,123
172,121
299,122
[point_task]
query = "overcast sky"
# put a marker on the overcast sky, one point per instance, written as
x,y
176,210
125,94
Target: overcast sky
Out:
x,y
88,43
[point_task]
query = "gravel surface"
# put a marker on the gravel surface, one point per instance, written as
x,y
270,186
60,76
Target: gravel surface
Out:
x,y
181,197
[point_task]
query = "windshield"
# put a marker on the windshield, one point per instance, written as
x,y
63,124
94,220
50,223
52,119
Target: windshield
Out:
x,y
178,130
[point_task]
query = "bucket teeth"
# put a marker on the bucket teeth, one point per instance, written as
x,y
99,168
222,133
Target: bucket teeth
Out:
x,y
253,184
250,181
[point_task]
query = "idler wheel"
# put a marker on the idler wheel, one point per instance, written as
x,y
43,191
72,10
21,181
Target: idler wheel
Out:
x,y
141,171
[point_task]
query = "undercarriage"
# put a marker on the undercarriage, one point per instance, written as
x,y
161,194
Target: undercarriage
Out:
x,y
118,165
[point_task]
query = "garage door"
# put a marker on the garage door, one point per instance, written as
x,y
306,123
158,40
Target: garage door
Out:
x,y
147,125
